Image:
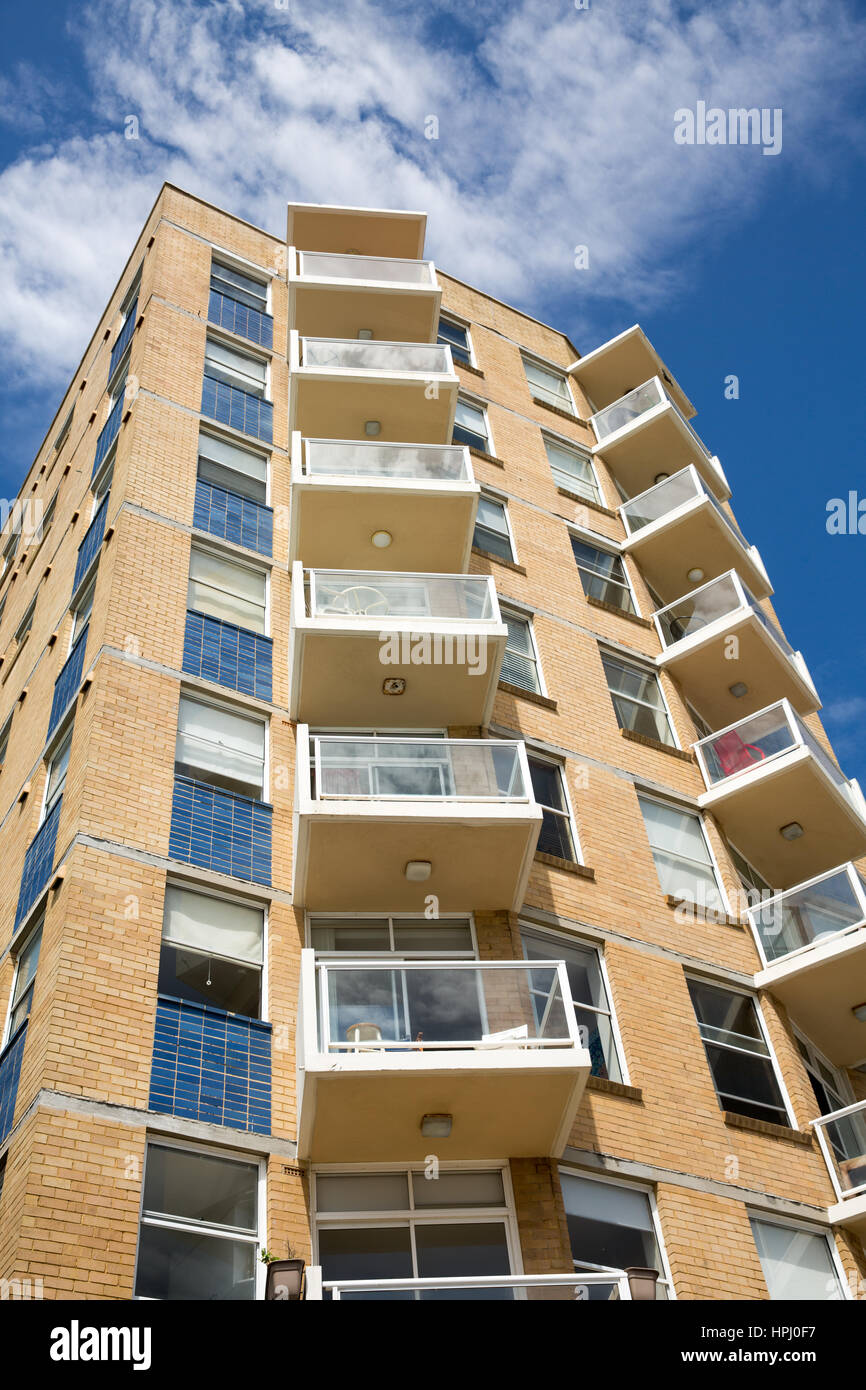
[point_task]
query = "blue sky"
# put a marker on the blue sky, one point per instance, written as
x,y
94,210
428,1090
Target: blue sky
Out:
x,y
555,129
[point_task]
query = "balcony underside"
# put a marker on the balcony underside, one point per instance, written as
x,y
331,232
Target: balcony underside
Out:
x,y
366,1107
819,987
850,1214
431,526
693,537
705,672
395,314
752,807
352,856
659,441
359,231
336,406
337,676
609,372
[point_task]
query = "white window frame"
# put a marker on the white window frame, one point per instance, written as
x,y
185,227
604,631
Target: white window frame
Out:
x,y
794,1224
59,743
428,1216
213,433
665,1277
572,939
771,1051
466,326
311,919
492,496
214,335
559,441
647,795
562,764
20,944
481,405
232,558
599,542
262,905
613,655
244,267
514,610
244,712
840,1076
5,734
88,591
27,618
553,370
224,1233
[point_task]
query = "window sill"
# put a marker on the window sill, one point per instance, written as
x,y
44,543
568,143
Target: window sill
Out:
x,y
557,410
467,367
531,695
649,742
585,501
717,918
612,608
614,1088
568,865
773,1131
498,560
485,457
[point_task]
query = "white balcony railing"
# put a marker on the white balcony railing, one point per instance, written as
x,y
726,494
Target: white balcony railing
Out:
x,y
795,921
723,598
375,462
381,595
581,1288
668,496
842,1136
367,270
635,404
374,358
763,737
424,1006
347,768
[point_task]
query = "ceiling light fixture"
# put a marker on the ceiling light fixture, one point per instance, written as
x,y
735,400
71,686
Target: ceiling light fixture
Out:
x,y
792,831
738,689
372,428
381,539
436,1126
859,1012
695,576
418,870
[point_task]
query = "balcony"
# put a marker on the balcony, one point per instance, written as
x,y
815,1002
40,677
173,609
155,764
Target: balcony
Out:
x,y
352,634
368,810
767,775
590,1286
339,295
812,942
677,526
337,386
644,434
609,372
495,1045
697,632
357,231
424,496
842,1136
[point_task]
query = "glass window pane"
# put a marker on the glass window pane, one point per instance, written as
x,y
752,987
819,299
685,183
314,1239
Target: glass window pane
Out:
x,y
224,590
27,963
57,773
797,1265
453,937
457,338
201,1187
609,1225
350,936
185,1265
518,664
547,784
228,748
362,1192
239,286
458,1189
367,1253
213,924
462,1249
229,466
224,984
727,1012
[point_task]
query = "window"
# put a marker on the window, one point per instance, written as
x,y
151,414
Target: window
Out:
x,y
549,385
548,787
25,979
10,546
399,936
231,467
117,384
235,368
738,1053
591,1006
637,700
455,336
243,288
757,889
225,590
22,632
602,575
572,470
4,739
212,951
2,1174
682,855
470,427
82,611
491,529
797,1264
404,1225
57,769
830,1087
64,431
217,746
520,662
47,517
101,486
611,1226
199,1226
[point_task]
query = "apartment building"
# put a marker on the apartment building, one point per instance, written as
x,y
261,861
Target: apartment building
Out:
x,y
421,854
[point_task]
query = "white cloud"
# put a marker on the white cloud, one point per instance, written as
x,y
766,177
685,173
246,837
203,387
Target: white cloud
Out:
x,y
557,129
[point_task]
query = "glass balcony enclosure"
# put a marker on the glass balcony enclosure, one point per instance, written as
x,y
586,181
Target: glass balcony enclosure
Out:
x,y
753,742
348,355
720,598
582,1287
457,598
665,497
827,906
645,433
375,462
418,769
629,408
384,270
377,1006
842,1136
